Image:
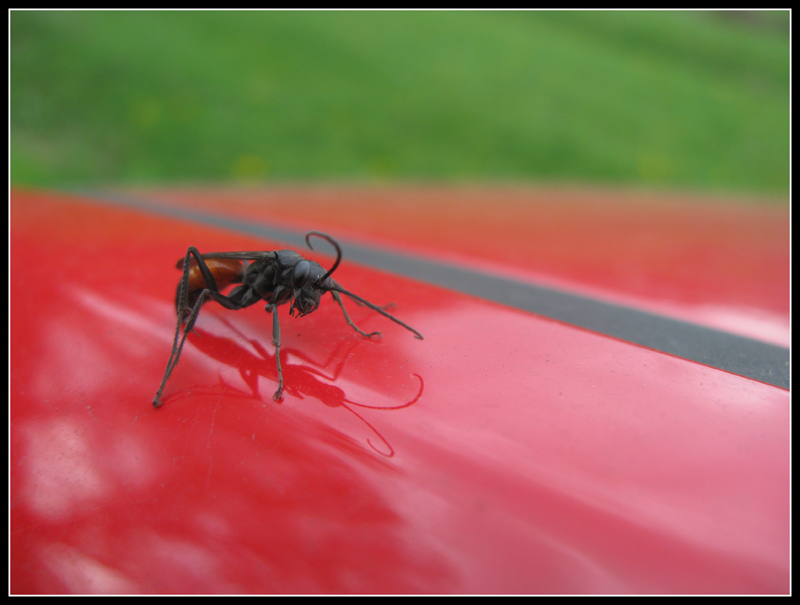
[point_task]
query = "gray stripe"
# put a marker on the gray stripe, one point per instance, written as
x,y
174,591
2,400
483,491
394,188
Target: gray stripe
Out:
x,y
744,356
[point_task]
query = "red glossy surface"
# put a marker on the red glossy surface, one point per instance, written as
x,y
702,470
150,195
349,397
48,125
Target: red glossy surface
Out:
x,y
537,458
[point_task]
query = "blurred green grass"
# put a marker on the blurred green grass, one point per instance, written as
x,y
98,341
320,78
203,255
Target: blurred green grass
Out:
x,y
689,100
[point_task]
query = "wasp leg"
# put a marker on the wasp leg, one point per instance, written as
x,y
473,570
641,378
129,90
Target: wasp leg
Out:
x,y
276,340
182,305
338,299
355,297
177,347
191,318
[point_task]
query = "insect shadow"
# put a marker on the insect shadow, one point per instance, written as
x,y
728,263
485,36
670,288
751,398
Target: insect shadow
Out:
x,y
306,379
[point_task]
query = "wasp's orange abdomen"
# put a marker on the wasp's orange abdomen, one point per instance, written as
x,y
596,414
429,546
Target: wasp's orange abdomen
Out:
x,y
226,271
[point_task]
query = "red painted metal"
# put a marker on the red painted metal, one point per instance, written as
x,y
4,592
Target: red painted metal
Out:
x,y
505,453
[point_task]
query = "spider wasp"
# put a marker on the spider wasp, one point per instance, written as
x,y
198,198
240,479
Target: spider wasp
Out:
x,y
277,277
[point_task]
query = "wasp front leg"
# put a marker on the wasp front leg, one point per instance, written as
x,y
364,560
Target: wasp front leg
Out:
x,y
349,321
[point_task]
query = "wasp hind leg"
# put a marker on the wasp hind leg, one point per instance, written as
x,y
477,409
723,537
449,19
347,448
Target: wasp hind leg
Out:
x,y
190,317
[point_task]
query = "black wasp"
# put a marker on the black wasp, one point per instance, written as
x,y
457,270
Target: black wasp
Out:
x,y
277,277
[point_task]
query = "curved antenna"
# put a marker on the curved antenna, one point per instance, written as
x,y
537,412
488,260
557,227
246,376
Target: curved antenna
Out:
x,y
333,243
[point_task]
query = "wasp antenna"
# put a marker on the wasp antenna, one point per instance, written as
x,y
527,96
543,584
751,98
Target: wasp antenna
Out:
x,y
333,243
338,288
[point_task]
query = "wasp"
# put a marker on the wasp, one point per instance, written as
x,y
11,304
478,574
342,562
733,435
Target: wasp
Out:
x,y
276,277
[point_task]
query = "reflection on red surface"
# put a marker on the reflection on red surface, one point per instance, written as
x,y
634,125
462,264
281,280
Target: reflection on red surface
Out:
x,y
538,458
306,379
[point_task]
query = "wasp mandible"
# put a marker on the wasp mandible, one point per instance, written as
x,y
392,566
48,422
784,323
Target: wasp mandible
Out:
x,y
277,277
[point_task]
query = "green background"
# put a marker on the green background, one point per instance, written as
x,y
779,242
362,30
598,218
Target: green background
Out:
x,y
682,100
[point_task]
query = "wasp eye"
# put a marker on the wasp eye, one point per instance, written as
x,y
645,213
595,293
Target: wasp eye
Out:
x,y
300,273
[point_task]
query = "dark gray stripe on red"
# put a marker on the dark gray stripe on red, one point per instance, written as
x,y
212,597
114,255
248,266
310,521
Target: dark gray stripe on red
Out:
x,y
744,356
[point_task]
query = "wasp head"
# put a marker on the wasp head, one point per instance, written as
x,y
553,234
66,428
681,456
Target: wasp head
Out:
x,y
308,279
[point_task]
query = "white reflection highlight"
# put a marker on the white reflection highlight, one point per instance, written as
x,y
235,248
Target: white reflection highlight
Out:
x,y
750,323
62,475
82,574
